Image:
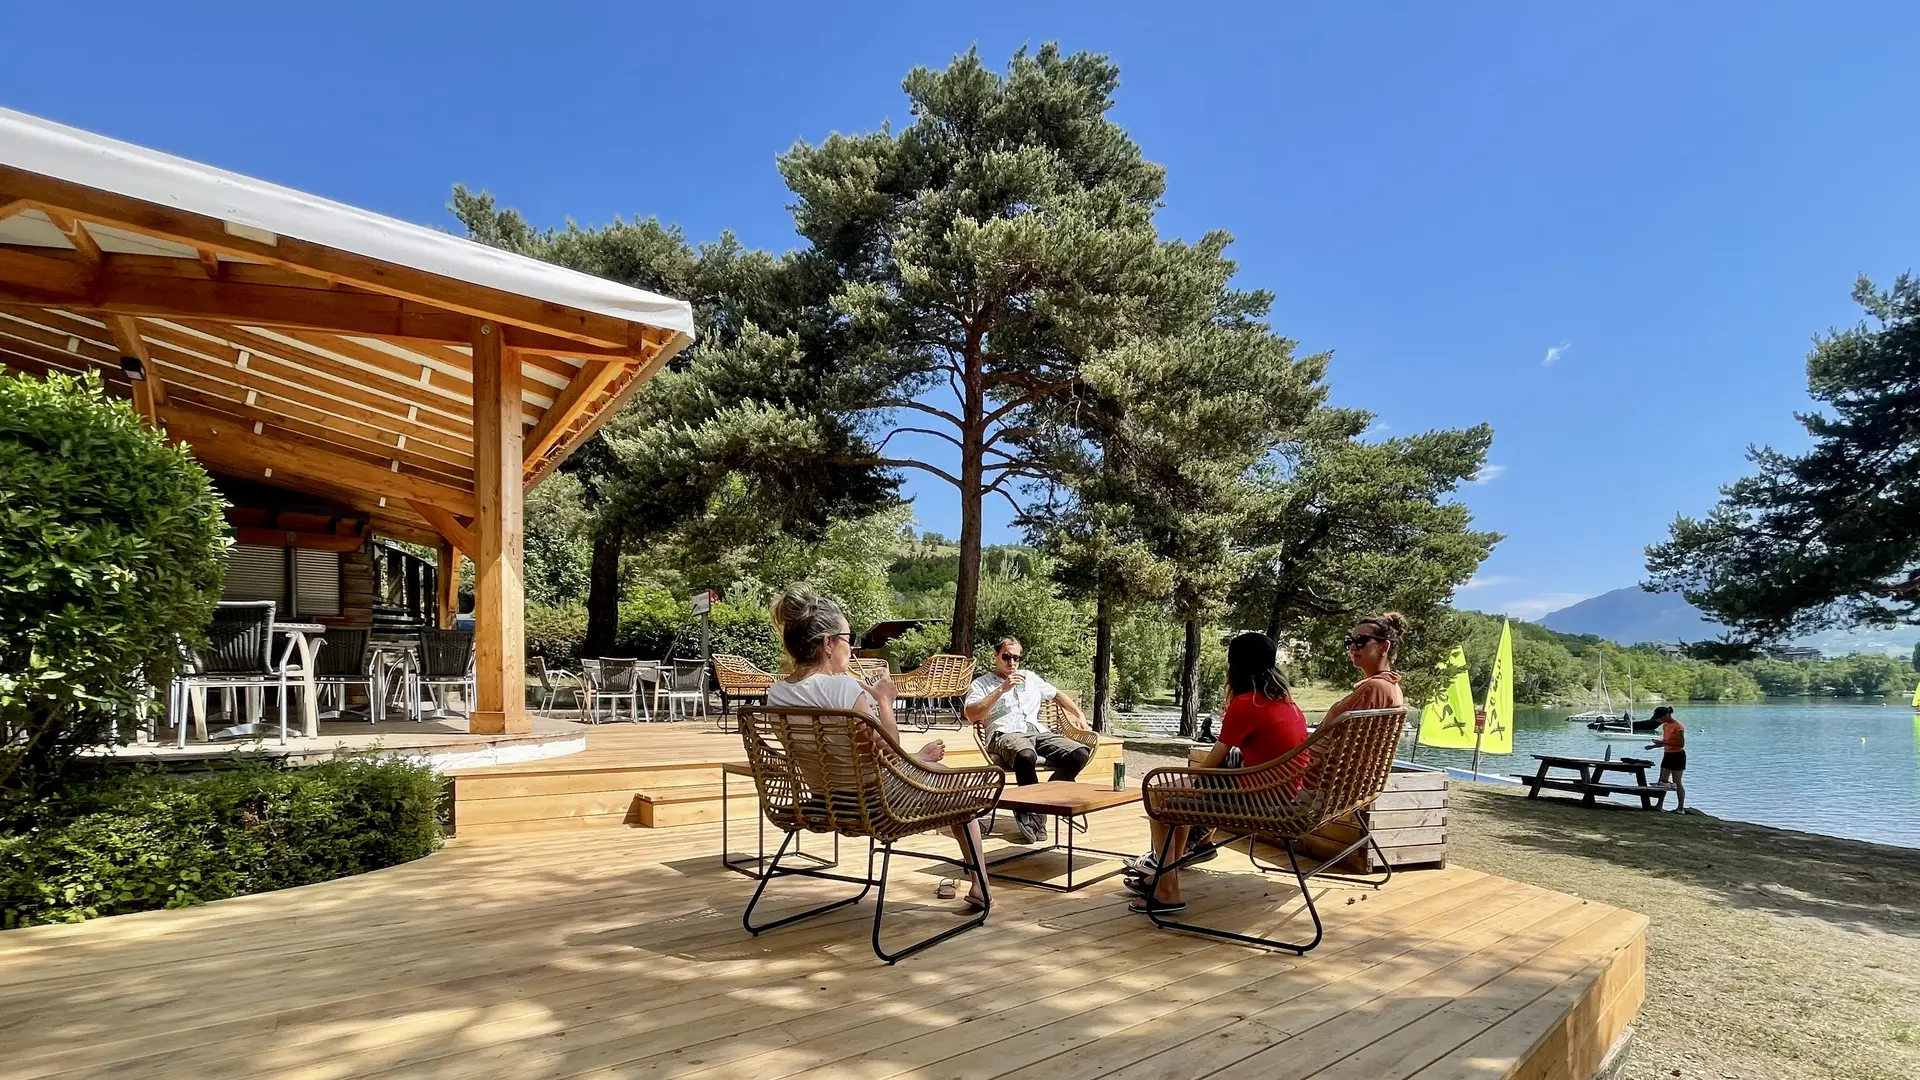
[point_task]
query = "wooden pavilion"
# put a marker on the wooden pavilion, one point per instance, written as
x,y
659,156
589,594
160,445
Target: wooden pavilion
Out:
x,y
391,377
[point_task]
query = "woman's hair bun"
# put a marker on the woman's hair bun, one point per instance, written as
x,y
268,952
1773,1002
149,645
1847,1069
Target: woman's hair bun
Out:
x,y
796,605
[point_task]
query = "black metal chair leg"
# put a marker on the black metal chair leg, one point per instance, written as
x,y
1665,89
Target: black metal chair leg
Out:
x,y
1306,893
978,869
773,869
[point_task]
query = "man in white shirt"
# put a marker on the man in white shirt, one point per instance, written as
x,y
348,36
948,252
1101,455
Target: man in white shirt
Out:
x,y
1006,701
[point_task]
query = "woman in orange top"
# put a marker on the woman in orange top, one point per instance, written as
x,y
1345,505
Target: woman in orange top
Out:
x,y
1372,647
1673,763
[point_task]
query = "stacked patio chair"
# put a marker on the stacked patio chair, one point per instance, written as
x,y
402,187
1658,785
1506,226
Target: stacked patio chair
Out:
x,y
445,663
345,660
1336,774
935,688
239,656
554,682
737,679
828,771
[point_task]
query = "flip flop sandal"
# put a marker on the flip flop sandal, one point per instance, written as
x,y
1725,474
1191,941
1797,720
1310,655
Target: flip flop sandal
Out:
x,y
948,889
974,905
1146,903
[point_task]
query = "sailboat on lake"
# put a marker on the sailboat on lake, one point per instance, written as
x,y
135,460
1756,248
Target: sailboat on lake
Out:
x,y
1604,714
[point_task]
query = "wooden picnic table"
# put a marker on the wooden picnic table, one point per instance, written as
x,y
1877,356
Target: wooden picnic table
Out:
x,y
1592,782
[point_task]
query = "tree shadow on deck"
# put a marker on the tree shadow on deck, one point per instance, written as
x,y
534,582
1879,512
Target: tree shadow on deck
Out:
x,y
1846,883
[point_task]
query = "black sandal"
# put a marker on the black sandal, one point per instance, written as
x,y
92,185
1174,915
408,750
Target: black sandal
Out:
x,y
1145,904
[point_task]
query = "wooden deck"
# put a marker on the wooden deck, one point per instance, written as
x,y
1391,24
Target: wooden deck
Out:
x,y
619,953
649,775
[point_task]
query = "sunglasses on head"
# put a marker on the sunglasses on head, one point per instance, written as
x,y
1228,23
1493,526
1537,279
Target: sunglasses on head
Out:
x,y
1359,641
1011,657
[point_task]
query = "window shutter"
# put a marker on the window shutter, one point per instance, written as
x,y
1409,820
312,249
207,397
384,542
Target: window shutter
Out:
x,y
317,575
258,573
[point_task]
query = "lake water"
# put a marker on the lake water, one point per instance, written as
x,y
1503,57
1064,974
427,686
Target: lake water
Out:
x,y
1818,765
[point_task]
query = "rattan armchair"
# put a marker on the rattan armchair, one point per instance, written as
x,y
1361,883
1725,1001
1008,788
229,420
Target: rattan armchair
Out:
x,y
736,678
943,677
1054,717
827,771
1335,774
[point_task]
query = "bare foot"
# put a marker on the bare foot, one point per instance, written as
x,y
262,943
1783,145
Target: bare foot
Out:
x,y
933,751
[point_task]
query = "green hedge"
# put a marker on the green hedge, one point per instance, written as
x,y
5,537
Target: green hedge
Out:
x,y
135,842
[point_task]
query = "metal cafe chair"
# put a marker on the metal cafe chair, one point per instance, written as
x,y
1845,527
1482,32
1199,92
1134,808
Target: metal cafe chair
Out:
x,y
238,656
345,659
685,687
445,663
618,681
554,682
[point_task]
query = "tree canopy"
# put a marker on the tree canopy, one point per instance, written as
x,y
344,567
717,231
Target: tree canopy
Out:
x,y
981,256
1831,536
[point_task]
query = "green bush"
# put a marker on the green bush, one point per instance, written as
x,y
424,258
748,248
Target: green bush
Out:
x,y
654,623
111,545
134,842
556,632
1143,656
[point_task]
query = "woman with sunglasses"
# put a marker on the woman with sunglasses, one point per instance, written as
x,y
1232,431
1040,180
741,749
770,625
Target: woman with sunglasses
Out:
x,y
1372,647
819,647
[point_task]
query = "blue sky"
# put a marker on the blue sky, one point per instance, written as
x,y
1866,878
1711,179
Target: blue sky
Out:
x,y
1611,232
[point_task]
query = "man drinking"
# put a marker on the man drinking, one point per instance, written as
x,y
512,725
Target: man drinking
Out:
x,y
1007,702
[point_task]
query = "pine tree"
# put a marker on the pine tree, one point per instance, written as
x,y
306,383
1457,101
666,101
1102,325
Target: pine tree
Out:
x,y
981,257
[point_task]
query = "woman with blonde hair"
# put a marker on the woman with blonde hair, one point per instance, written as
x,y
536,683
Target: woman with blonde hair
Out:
x,y
819,646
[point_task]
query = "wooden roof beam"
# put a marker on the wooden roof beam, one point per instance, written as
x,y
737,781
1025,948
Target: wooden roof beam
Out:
x,y
126,337
340,267
458,531
232,445
580,394
210,262
617,394
84,245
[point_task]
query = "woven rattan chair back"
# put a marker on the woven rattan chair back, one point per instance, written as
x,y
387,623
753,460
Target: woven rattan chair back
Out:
x,y
1342,768
869,669
825,770
737,676
943,675
445,654
343,655
240,639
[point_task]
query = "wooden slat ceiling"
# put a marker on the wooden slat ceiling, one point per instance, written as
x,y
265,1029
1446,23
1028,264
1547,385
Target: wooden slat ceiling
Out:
x,y
272,372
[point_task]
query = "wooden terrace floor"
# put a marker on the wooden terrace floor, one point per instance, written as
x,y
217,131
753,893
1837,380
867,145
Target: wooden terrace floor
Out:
x,y
619,953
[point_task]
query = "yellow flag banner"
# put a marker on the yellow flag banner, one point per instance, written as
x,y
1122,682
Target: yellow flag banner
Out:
x,y
1447,721
1497,738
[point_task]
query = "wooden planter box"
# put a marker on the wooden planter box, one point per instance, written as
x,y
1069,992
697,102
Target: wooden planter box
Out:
x,y
1409,822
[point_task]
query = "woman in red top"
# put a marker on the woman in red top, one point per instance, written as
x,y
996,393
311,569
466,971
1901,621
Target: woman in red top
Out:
x,y
1261,721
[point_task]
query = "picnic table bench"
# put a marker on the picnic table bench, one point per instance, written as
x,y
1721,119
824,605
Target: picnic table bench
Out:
x,y
1592,782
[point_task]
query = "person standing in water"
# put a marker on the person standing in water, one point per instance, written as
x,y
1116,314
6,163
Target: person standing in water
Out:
x,y
1673,763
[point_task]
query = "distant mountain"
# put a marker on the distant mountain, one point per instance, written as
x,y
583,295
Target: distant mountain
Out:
x,y
1631,616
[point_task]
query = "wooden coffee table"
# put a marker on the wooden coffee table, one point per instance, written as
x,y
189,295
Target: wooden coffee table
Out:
x,y
1065,801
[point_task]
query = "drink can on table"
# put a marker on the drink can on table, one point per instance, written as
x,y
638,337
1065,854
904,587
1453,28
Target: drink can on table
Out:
x,y
1119,775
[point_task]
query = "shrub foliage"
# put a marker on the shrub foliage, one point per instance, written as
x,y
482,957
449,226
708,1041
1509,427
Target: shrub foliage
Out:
x,y
133,842
110,548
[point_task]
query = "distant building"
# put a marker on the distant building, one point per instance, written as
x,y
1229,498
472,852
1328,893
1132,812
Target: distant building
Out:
x,y
1671,649
1793,652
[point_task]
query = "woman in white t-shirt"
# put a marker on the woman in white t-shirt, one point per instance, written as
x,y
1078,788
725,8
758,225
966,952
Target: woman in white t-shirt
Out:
x,y
819,648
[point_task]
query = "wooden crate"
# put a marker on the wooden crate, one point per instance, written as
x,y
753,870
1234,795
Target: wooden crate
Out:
x,y
1409,821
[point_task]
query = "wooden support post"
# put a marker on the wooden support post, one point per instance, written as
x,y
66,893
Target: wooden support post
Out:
x,y
446,586
499,595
